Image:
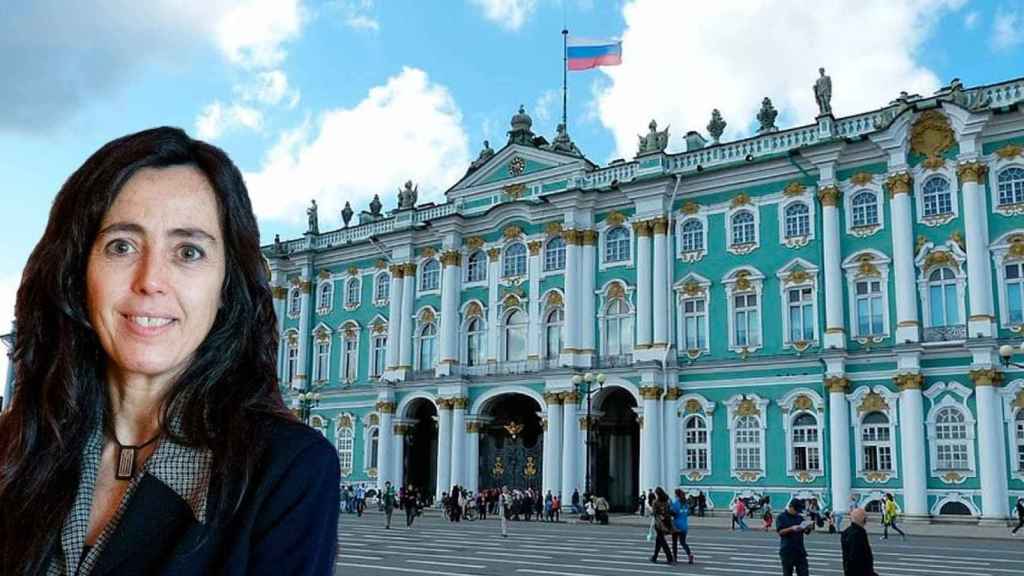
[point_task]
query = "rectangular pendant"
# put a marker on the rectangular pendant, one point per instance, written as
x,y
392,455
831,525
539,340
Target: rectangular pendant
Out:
x,y
125,463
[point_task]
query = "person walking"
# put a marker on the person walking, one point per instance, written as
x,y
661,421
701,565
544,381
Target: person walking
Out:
x,y
857,557
791,527
661,515
411,505
889,514
388,500
680,521
702,503
503,509
1020,515
643,503
741,513
360,500
556,508
575,501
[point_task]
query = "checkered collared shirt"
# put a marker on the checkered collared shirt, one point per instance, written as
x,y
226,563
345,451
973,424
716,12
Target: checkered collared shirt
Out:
x,y
182,469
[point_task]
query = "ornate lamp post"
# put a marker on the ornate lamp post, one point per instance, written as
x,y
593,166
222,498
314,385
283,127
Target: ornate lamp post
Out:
x,y
305,400
589,379
1006,353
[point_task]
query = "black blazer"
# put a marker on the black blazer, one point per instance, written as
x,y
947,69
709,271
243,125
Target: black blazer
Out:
x,y
287,523
857,557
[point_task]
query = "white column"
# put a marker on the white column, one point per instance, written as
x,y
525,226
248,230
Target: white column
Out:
x,y
991,446
570,445
385,441
444,447
280,292
533,342
907,325
979,272
572,292
672,442
450,277
835,327
650,474
458,473
408,295
398,462
642,231
473,456
302,376
553,444
661,283
395,316
493,330
912,449
839,441
588,278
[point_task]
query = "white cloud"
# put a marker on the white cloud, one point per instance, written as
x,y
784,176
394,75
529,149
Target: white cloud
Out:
x,y
253,33
677,67
542,109
1006,29
509,14
270,88
971,20
407,129
356,14
217,118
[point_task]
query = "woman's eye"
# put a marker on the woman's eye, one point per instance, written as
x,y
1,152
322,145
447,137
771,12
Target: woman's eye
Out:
x,y
191,253
120,247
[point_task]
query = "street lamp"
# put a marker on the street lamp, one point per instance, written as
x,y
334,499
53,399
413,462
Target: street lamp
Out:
x,y
305,401
1006,353
589,378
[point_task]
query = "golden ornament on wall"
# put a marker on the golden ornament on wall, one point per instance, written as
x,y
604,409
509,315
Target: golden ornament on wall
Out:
x,y
374,420
873,402
534,247
803,402
553,228
794,188
512,232
474,242
931,136
877,477
939,258
345,421
829,195
898,183
1016,249
952,477
474,309
692,288
428,252
862,178
324,274
741,199
353,270
747,407
530,469
798,276
380,264
615,218
515,191
554,299
692,406
1018,400
615,290
380,328
690,207
743,280
493,253
427,316
1010,151
322,334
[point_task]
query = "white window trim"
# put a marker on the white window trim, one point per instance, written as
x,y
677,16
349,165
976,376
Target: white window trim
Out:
x,y
543,258
324,310
948,391
327,333
373,335
997,164
856,399
681,296
351,419
733,405
367,444
502,335
343,335
797,241
1009,395
692,255
544,324
959,270
602,230
376,279
464,333
359,291
602,316
504,256
849,191
959,498
318,423
921,175
418,331
1001,257
789,414
855,271
707,410
294,293
741,249
290,342
419,277
731,291
786,283
465,272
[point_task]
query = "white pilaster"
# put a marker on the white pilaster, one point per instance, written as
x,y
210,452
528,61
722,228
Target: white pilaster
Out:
x,y
643,284
450,278
444,448
398,462
473,457
588,305
395,316
839,440
660,286
302,375
991,445
570,445
835,327
458,473
533,309
650,433
572,296
493,330
979,273
553,444
672,441
385,442
912,448
907,325
408,297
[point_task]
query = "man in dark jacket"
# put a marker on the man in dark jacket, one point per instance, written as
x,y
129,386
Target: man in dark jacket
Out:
x,y
791,527
1020,515
857,557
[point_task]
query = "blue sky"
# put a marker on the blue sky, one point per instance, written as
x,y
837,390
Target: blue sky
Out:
x,y
339,100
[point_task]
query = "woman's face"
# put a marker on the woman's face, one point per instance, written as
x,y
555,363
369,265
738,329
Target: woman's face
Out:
x,y
155,273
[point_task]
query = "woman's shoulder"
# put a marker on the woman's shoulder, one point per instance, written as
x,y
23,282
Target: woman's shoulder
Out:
x,y
287,440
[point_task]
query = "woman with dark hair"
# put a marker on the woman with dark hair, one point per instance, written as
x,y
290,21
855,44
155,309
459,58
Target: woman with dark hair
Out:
x,y
661,514
147,433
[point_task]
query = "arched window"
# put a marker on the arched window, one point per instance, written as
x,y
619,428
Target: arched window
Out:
x,y
936,196
618,328
695,443
294,302
951,440
554,254
954,509
350,355
1019,435
382,291
352,292
476,267
748,443
515,336
323,301
346,446
1014,276
692,237
514,261
875,507
805,443
430,275
292,361
616,245
475,336
322,362
942,298
865,208
379,351
798,220
553,333
373,448
427,348
743,228
1011,186
876,441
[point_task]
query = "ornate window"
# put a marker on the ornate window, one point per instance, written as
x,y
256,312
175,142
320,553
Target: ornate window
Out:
x,y
514,261
696,447
352,288
1014,275
802,411
514,332
322,358
430,275
743,228
373,449
951,440
951,433
618,328
1019,438
553,333
747,413
554,254
379,351
876,443
691,239
346,447
324,296
291,362
936,197
1011,186
748,443
943,302
616,245
869,307
350,355
476,337
867,287
476,267
800,303
695,323
806,443
382,288
1008,258
865,209
294,302
743,289
426,350
798,220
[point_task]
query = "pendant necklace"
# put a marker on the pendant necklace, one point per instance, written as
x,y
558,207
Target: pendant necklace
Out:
x,y
126,456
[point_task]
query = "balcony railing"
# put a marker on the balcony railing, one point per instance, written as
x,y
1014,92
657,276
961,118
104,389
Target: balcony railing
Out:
x,y
617,361
952,333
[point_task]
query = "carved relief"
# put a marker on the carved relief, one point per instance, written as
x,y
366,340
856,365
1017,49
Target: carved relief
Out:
x,y
690,207
512,232
553,228
741,199
615,218
474,242
793,189
873,402
862,178
931,136
1010,151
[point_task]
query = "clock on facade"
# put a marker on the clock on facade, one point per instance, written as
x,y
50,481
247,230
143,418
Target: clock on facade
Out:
x,y
517,166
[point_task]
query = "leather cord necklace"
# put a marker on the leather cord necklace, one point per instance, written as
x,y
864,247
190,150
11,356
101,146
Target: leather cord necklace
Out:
x,y
126,456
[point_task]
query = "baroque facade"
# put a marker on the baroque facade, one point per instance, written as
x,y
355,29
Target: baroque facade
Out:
x,y
813,312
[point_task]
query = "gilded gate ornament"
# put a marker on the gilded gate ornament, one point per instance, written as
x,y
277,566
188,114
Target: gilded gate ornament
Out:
x,y
530,470
931,136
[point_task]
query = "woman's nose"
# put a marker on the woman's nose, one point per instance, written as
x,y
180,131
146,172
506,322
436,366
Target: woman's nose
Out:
x,y
150,274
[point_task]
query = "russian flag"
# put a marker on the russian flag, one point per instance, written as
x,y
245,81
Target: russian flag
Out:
x,y
587,53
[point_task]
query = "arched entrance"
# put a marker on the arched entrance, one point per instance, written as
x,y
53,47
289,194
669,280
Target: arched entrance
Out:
x,y
420,453
511,443
615,449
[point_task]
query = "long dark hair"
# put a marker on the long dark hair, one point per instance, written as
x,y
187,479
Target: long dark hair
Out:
x,y
221,399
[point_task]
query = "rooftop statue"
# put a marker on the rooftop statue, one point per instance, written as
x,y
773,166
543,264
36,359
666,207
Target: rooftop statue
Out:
x,y
767,116
278,246
346,213
486,154
562,142
717,126
314,227
823,93
375,205
520,132
407,196
654,141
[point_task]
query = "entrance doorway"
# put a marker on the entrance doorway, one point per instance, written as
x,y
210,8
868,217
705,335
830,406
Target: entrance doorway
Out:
x,y
511,443
615,450
420,453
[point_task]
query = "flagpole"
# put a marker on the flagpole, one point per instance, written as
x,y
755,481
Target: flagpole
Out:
x,y
565,68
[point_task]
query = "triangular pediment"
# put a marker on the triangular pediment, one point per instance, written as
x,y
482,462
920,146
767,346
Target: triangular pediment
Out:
x,y
515,164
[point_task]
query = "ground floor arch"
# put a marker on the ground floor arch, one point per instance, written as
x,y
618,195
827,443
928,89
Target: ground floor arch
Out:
x,y
419,455
615,448
511,442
